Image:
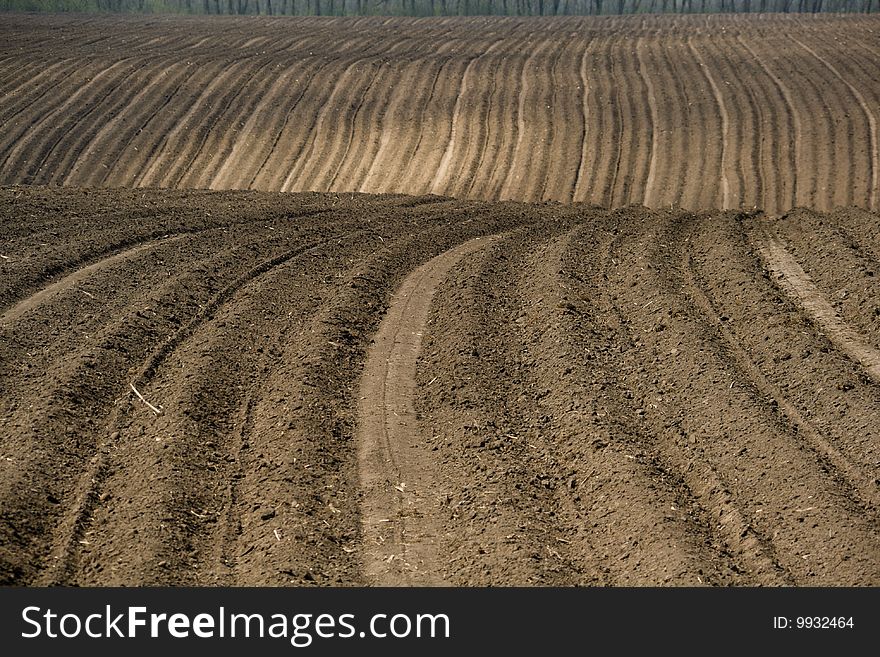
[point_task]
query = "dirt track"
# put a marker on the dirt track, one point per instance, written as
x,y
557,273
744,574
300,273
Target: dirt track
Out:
x,y
767,112
626,397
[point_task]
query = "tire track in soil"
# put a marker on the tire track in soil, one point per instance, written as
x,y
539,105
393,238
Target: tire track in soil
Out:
x,y
862,485
79,385
118,452
791,277
839,263
501,505
559,399
94,260
73,525
395,467
66,283
616,458
710,402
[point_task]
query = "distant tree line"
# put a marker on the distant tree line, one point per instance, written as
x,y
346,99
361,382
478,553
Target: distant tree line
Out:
x,y
442,7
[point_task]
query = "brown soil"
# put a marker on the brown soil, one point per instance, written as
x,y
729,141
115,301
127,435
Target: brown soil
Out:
x,y
724,111
596,397
398,527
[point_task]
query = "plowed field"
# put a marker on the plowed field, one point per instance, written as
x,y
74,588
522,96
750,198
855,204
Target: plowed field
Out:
x,y
742,112
256,388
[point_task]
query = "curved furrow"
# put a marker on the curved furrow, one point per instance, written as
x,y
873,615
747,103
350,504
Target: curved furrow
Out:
x,y
846,273
638,128
496,495
788,143
619,166
701,191
401,122
705,520
747,125
438,119
389,118
95,376
492,160
649,197
24,118
631,156
608,89
145,146
56,265
24,85
332,139
322,109
772,147
590,129
860,72
184,428
627,398
822,142
121,136
809,524
673,138
725,198
602,119
162,160
564,140
215,116
497,158
622,460
83,338
516,177
776,352
11,76
272,167
873,146
88,380
367,122
80,134
459,125
38,167
479,104
255,141
14,312
218,140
